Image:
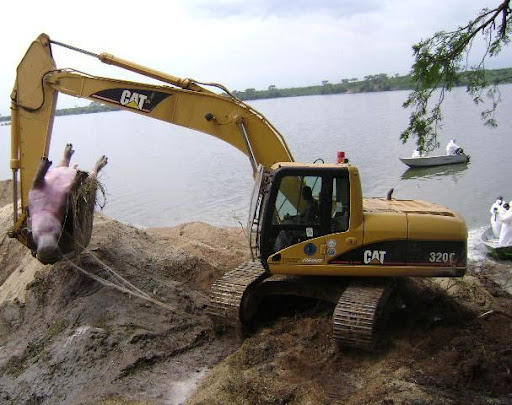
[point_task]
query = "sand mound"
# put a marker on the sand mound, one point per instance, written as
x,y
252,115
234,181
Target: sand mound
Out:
x,y
5,192
222,247
66,339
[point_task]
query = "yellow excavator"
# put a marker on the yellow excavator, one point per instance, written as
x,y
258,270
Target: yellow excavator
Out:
x,y
311,231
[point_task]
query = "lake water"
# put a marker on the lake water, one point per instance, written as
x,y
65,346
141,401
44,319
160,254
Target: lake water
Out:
x,y
162,175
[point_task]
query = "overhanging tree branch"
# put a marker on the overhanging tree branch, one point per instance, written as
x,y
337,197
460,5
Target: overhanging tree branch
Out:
x,y
439,62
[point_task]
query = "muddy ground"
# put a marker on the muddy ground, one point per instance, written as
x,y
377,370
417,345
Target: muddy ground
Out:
x,y
67,339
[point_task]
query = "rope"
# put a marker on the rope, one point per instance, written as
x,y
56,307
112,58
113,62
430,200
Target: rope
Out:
x,y
128,290
128,287
113,273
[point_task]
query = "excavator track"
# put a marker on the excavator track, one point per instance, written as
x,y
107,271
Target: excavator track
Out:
x,y
357,313
232,300
235,296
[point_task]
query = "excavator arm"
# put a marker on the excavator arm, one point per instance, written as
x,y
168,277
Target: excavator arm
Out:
x,y
182,102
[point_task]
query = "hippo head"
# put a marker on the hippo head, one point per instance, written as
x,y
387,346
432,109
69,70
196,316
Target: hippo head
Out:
x,y
46,232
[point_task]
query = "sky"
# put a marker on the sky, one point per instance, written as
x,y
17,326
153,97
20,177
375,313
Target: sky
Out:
x,y
239,43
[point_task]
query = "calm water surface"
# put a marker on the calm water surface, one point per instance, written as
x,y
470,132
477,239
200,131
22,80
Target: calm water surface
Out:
x,y
163,175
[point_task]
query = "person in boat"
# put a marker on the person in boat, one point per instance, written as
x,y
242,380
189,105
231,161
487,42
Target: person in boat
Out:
x,y
417,153
453,149
495,211
506,225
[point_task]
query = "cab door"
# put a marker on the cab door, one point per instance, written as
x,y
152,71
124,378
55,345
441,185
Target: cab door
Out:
x,y
296,211
304,204
335,228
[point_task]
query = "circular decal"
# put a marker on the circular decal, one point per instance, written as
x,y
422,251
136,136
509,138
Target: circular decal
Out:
x,y
331,243
331,252
310,249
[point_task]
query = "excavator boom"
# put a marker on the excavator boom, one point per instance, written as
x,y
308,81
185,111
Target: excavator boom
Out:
x,y
181,102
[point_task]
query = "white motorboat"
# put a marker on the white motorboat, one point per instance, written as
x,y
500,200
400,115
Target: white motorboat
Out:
x,y
428,161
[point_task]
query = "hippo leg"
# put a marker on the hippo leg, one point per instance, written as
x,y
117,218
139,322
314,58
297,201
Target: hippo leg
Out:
x,y
42,169
100,164
68,152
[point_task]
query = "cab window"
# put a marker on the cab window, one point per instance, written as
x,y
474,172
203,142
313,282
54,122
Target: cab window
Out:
x,y
340,205
297,200
297,211
306,207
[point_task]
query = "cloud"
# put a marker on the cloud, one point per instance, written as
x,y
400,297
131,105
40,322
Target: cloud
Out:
x,y
284,8
240,43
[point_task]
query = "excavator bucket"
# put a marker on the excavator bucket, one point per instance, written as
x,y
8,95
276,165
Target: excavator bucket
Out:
x,y
78,222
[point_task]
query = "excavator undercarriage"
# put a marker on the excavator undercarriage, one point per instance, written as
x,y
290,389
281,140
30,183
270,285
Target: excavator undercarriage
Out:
x,y
234,300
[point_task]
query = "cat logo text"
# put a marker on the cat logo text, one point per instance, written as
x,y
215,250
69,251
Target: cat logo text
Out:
x,y
374,256
133,99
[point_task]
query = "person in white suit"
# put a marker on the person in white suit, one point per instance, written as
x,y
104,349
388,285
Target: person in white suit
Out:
x,y
495,211
452,148
416,153
506,225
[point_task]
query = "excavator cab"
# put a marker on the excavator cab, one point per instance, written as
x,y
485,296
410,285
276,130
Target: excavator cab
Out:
x,y
300,203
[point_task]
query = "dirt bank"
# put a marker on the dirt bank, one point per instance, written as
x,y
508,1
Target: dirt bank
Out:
x,y
66,339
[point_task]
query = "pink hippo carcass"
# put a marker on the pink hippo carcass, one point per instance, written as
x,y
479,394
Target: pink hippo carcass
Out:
x,y
48,203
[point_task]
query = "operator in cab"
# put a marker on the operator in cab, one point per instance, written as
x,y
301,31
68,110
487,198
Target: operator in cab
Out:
x,y
311,211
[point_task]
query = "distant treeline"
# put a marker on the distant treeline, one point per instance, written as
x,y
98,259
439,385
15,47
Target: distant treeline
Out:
x,y
372,83
94,107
